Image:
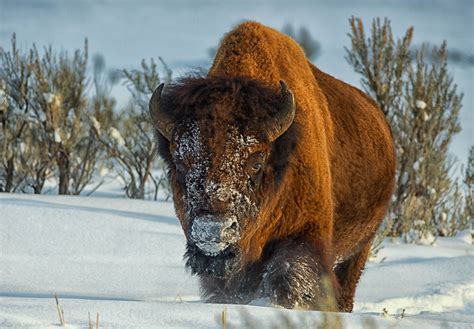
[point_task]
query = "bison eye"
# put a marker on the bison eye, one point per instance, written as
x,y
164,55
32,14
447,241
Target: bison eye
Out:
x,y
255,162
256,167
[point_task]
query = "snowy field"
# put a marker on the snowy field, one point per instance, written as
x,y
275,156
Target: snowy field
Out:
x,y
123,259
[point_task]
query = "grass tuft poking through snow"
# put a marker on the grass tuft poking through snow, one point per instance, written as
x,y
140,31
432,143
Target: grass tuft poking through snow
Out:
x,y
60,311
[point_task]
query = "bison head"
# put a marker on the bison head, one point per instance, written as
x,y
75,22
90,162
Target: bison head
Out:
x,y
217,136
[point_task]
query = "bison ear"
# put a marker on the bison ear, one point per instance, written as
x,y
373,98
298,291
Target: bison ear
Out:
x,y
161,121
285,116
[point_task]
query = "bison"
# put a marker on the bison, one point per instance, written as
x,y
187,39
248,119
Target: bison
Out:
x,y
280,173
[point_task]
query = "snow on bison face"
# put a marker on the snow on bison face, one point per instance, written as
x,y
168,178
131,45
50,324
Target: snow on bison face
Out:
x,y
220,175
218,164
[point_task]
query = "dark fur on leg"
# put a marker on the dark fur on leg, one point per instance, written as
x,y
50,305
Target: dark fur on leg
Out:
x,y
298,277
348,274
242,287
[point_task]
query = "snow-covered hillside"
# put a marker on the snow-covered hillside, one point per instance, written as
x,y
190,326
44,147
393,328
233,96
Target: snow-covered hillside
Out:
x,y
123,259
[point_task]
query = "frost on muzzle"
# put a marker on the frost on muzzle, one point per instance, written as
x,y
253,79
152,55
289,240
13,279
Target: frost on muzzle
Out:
x,y
213,235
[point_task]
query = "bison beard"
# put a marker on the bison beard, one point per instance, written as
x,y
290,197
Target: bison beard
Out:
x,y
281,174
219,265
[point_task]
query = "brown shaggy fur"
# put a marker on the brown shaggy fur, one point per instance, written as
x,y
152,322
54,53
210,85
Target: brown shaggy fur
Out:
x,y
328,180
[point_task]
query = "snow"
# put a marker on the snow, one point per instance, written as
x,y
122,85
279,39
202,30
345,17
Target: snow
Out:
x,y
96,125
3,99
465,235
103,171
426,116
420,104
57,135
49,97
117,137
124,259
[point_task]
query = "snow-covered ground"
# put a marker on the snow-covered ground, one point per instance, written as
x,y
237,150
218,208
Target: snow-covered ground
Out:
x,y
123,259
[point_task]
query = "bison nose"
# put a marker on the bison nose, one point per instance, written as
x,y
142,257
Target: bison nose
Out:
x,y
213,236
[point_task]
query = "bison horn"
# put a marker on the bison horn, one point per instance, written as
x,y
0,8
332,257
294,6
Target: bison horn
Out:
x,y
284,118
161,121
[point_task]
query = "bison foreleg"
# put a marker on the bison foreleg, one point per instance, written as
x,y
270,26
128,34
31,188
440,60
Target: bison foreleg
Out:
x,y
298,276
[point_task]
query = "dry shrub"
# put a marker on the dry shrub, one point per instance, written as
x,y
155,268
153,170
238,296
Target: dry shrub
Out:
x,y
422,104
44,120
131,143
58,123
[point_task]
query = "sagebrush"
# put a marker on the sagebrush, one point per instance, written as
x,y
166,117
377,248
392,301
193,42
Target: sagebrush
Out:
x,y
417,94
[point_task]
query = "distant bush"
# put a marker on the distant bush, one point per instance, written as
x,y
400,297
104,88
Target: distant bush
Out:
x,y
130,144
422,105
455,56
469,183
51,128
44,121
21,165
311,46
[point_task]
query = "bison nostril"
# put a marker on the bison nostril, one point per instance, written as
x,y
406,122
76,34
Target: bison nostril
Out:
x,y
233,226
230,225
